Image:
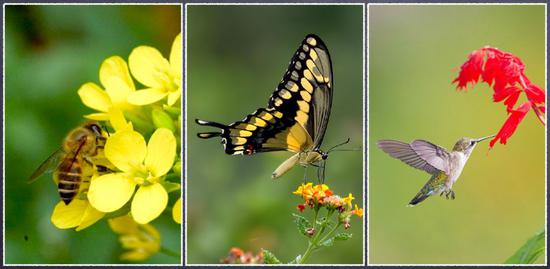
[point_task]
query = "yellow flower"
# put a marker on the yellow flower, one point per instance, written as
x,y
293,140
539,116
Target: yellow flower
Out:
x,y
305,190
176,211
348,199
142,240
78,213
320,192
162,77
358,211
142,165
114,76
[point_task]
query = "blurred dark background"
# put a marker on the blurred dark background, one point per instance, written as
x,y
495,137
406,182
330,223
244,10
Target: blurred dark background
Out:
x,y
415,52
236,57
50,52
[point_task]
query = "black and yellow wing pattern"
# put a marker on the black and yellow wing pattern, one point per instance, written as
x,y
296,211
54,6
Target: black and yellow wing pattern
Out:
x,y
297,113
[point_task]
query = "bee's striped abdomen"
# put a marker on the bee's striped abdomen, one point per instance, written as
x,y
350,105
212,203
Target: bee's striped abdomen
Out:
x,y
69,175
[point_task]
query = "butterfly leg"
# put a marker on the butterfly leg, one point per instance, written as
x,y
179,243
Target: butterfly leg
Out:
x,y
305,174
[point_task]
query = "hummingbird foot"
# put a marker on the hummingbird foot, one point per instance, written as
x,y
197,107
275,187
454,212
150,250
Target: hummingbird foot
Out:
x,y
447,193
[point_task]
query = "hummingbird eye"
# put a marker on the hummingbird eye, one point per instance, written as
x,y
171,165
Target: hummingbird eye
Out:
x,y
472,143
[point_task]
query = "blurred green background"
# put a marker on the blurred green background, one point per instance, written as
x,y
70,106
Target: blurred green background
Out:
x,y
415,52
50,51
236,57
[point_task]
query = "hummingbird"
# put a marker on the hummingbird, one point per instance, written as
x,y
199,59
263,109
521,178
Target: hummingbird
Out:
x,y
444,166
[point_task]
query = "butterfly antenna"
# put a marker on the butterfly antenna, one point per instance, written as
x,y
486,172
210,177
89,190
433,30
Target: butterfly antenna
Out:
x,y
354,149
341,144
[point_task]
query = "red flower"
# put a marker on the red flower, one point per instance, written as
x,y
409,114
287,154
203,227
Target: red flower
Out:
x,y
504,73
511,124
301,207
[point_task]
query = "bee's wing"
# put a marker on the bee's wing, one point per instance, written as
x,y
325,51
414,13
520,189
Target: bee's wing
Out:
x,y
47,166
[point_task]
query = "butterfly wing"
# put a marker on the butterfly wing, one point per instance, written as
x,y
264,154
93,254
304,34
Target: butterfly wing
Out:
x,y
297,113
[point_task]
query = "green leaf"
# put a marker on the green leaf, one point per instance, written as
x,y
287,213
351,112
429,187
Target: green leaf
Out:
x,y
269,258
296,260
327,243
530,251
342,236
161,119
302,224
170,186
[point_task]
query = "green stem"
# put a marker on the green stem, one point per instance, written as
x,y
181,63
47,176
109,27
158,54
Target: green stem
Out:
x,y
313,244
170,252
315,217
330,232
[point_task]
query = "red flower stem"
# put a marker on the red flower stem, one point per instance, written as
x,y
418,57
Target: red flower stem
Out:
x,y
534,106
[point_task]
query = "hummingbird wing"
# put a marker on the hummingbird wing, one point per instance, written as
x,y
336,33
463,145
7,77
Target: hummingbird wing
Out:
x,y
435,155
406,153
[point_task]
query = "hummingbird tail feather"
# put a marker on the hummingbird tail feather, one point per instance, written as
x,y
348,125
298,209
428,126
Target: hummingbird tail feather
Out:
x,y
418,198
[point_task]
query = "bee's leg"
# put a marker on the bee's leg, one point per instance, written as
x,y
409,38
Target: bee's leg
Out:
x,y
103,169
447,194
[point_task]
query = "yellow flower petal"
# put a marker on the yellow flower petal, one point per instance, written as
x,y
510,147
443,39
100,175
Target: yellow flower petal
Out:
x,y
175,56
116,117
176,211
94,97
123,225
97,116
173,97
68,216
126,150
136,255
91,216
146,63
115,66
148,203
77,213
110,192
147,96
118,91
161,152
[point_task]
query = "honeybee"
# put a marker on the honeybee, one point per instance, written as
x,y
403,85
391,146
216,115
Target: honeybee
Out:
x,y
75,162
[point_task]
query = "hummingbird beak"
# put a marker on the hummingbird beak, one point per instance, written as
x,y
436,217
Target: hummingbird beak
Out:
x,y
483,138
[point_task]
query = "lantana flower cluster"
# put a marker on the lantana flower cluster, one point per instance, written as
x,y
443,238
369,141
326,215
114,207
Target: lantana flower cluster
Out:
x,y
317,196
238,256
142,149
504,72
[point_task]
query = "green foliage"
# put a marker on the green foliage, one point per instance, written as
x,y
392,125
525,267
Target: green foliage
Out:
x,y
162,119
530,251
269,258
342,236
302,224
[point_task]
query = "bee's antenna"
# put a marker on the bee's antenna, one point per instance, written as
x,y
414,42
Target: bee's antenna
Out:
x,y
105,128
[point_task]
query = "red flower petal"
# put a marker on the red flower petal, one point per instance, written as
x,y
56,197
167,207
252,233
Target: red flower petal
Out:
x,y
301,207
470,70
509,127
535,94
